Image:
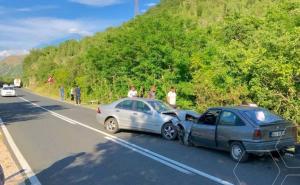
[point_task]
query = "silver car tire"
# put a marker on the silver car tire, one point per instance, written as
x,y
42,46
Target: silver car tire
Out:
x,y
238,152
111,125
168,131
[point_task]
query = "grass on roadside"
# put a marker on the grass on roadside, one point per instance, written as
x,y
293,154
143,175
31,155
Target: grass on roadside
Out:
x,y
53,93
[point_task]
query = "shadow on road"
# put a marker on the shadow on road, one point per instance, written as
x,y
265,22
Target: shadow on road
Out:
x,y
23,111
110,164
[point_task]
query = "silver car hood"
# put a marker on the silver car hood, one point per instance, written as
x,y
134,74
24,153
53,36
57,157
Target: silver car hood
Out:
x,y
170,116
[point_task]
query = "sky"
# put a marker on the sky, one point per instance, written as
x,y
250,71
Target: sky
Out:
x,y
27,24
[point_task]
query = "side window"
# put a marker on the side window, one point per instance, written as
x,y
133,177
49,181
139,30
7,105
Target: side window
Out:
x,y
127,104
141,107
210,117
229,118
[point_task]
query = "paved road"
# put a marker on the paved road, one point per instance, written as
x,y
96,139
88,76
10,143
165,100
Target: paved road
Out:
x,y
68,146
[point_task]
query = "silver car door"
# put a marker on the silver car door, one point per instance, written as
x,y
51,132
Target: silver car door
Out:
x,y
124,111
144,116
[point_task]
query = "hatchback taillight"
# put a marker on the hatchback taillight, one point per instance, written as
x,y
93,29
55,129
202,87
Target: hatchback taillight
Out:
x,y
257,134
98,110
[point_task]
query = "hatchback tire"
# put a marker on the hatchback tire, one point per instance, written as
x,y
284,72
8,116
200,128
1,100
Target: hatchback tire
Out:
x,y
168,131
238,152
111,125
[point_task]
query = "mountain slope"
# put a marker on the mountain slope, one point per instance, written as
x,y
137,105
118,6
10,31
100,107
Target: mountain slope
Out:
x,y
215,53
11,66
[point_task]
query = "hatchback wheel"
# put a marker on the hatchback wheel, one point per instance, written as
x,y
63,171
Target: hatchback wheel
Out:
x,y
111,125
169,131
238,152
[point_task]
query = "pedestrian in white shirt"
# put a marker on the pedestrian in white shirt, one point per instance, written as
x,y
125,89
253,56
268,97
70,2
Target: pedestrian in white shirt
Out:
x,y
171,97
132,92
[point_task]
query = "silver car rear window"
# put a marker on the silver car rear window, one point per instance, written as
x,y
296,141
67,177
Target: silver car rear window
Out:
x,y
262,116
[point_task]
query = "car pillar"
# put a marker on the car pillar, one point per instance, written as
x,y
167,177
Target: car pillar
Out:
x,y
297,151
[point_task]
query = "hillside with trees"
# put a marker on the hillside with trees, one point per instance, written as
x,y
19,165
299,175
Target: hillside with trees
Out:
x,y
214,52
11,67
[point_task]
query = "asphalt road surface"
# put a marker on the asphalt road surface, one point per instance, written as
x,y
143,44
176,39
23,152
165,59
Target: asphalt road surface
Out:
x,y
64,144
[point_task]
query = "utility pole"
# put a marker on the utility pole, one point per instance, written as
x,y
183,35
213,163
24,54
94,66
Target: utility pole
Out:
x,y
136,7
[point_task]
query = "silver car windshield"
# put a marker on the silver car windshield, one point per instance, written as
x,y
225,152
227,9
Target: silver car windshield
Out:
x,y
159,106
262,116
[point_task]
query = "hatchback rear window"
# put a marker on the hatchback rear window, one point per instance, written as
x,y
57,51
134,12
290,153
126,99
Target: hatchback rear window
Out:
x,y
262,116
8,88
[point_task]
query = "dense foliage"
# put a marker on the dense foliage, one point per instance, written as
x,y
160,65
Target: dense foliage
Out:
x,y
214,52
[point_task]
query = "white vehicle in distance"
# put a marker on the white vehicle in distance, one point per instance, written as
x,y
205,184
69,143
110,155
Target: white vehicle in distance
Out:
x,y
17,82
8,91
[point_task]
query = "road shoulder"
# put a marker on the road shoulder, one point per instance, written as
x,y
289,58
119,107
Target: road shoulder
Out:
x,y
12,172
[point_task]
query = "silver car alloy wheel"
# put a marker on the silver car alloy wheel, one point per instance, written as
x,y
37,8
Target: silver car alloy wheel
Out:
x,y
111,125
237,152
169,131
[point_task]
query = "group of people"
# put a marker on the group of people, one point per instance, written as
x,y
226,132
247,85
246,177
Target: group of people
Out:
x,y
75,94
171,96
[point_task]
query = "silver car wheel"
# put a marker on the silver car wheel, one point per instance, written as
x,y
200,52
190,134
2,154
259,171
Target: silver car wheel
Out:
x,y
169,131
111,125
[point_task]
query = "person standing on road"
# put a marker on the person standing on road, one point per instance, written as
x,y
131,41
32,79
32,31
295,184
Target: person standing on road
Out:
x,y
77,95
171,97
132,93
72,93
62,93
151,93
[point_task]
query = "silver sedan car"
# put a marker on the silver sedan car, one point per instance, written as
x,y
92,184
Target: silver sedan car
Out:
x,y
139,114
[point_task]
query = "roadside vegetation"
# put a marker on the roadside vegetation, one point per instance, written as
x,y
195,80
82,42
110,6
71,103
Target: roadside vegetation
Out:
x,y
214,52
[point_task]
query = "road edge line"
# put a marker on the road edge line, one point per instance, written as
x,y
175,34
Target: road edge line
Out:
x,y
22,161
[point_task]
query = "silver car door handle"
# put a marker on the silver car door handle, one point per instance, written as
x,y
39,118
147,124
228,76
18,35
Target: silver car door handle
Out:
x,y
117,110
135,113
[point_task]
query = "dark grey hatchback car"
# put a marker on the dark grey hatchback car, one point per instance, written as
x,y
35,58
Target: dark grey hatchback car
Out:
x,y
240,130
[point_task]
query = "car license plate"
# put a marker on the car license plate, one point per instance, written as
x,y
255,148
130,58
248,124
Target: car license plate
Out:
x,y
277,134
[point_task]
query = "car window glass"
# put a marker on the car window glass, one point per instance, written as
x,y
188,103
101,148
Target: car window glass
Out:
x,y
127,104
263,116
142,107
210,117
160,106
229,118
8,88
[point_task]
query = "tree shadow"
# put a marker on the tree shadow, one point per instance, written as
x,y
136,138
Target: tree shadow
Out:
x,y
108,164
15,112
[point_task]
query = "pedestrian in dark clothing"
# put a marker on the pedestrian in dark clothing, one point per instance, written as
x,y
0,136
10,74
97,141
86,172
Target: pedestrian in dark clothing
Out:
x,y
77,95
62,93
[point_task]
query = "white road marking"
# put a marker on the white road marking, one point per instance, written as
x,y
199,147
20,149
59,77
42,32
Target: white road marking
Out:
x,y
148,153
25,166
